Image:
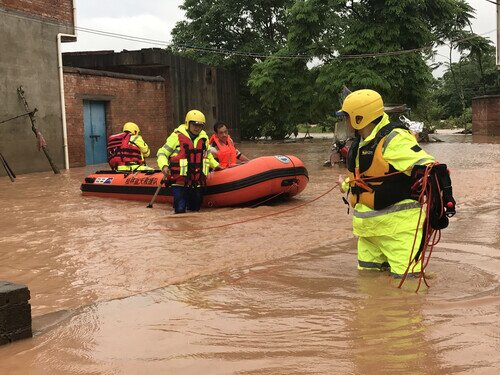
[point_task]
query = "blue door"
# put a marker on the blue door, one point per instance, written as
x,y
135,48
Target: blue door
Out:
x,y
94,122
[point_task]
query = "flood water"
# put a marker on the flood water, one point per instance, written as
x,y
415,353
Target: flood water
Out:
x,y
116,291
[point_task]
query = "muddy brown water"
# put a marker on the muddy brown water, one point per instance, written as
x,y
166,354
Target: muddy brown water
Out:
x,y
114,292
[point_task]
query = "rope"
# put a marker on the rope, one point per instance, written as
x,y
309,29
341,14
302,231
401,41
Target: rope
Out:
x,y
431,237
268,199
274,196
254,218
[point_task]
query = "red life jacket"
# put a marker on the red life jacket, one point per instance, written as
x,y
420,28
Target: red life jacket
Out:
x,y
122,152
191,175
227,153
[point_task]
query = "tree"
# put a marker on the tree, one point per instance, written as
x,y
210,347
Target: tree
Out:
x,y
474,80
294,56
232,31
283,83
451,32
376,27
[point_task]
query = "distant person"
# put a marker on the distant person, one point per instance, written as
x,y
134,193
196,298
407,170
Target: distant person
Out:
x,y
385,216
127,150
185,159
222,147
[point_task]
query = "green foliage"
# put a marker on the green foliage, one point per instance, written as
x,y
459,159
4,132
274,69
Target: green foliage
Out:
x,y
285,86
448,106
233,25
379,26
477,75
278,92
315,128
328,123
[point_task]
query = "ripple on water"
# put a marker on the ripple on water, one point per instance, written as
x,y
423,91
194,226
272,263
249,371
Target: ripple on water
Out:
x,y
251,313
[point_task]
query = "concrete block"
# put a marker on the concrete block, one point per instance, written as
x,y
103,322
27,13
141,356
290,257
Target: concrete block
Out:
x,y
15,312
11,293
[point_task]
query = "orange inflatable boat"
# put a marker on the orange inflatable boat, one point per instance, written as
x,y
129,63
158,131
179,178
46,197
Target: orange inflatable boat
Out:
x,y
259,179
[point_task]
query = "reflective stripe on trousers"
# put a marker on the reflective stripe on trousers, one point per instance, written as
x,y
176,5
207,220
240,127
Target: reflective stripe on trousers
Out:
x,y
383,267
374,265
387,210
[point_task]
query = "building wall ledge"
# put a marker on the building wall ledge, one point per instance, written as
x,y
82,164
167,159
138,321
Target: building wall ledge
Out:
x,y
103,73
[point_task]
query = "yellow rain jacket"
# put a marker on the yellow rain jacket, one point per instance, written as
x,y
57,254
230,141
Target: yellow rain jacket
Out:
x,y
401,150
171,149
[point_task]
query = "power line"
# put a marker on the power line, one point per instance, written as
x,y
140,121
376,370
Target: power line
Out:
x,y
493,2
260,54
123,36
227,52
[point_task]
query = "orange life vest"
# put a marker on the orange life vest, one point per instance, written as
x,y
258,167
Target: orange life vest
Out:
x,y
122,152
227,152
195,156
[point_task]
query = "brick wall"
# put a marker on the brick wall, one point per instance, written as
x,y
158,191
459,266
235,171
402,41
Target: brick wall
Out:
x,y
486,115
60,10
129,98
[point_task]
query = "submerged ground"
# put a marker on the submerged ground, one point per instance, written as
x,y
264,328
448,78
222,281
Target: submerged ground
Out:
x,y
114,291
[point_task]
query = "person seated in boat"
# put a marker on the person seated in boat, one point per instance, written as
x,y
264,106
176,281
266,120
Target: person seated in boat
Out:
x,y
127,150
222,147
185,161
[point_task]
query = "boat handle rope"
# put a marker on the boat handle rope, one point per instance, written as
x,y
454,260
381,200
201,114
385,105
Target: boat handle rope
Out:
x,y
294,185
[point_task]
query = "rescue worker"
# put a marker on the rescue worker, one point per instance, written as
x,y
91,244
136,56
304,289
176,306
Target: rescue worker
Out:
x,y
222,147
385,217
185,160
127,150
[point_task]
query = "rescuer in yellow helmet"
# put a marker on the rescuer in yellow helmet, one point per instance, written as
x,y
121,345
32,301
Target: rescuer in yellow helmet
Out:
x,y
185,160
127,150
385,217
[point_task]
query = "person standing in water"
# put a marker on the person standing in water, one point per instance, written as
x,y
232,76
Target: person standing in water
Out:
x,y
385,216
185,160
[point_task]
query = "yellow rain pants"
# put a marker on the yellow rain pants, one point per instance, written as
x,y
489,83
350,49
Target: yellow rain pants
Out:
x,y
385,237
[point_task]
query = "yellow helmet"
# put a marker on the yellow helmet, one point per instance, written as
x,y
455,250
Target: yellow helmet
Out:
x,y
131,127
362,106
195,116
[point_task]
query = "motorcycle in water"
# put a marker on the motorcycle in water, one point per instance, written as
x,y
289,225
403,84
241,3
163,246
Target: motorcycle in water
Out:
x,y
340,147
339,150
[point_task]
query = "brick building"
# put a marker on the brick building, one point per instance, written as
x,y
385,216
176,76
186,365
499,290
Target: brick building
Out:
x,y
124,98
486,115
32,31
80,104
150,87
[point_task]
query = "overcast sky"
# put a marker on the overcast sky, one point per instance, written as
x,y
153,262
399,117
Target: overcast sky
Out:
x,y
154,19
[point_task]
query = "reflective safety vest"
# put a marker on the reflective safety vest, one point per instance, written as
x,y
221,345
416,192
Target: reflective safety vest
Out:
x,y
122,152
227,152
190,166
379,191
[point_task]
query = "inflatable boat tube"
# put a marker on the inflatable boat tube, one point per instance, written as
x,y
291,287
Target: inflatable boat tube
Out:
x,y
257,180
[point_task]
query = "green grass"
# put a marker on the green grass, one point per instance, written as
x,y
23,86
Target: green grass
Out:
x,y
312,129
